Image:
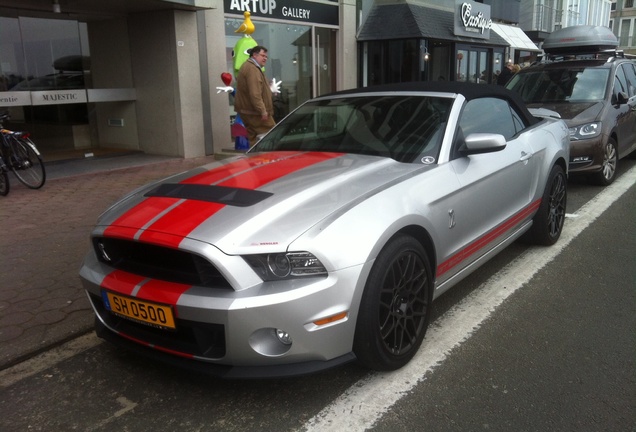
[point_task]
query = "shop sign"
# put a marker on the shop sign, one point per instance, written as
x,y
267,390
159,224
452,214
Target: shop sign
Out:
x,y
57,97
15,98
472,19
290,10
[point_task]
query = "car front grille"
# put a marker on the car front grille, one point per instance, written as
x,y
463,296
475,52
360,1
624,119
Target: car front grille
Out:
x,y
193,338
157,262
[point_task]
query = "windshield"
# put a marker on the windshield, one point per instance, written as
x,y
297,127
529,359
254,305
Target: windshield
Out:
x,y
561,85
405,128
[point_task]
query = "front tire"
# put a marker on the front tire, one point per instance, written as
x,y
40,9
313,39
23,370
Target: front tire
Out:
x,y
607,174
26,164
547,224
395,306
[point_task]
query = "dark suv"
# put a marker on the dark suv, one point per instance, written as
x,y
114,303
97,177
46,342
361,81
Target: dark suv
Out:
x,y
594,91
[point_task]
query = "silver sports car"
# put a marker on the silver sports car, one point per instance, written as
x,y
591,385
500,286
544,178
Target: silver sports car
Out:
x,y
328,241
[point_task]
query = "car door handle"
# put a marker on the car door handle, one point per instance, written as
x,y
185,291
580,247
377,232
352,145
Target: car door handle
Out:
x,y
525,156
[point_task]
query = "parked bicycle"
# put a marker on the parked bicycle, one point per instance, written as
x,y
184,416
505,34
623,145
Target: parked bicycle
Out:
x,y
4,178
20,156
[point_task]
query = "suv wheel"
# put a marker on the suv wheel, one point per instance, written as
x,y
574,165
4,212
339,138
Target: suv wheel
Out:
x,y
607,174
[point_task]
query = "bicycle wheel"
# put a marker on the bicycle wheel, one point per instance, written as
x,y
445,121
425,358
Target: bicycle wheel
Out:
x,y
26,163
4,183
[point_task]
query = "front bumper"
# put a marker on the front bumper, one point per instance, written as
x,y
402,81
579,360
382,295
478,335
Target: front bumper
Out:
x,y
232,333
586,156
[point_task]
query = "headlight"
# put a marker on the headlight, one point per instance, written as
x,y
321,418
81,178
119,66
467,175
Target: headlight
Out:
x,y
288,265
586,131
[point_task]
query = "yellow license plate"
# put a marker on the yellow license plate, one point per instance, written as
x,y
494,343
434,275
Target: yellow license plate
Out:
x,y
153,314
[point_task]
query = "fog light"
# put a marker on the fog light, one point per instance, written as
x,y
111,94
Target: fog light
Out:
x,y
270,342
283,337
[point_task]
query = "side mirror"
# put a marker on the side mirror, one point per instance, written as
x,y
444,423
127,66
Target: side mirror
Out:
x,y
477,143
621,98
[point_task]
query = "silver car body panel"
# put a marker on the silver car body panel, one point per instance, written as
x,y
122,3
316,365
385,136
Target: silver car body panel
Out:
x,y
316,201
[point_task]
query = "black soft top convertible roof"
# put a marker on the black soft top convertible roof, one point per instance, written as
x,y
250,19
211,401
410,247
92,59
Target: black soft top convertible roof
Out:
x,y
468,90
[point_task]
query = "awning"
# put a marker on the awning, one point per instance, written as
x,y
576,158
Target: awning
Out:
x,y
406,20
515,37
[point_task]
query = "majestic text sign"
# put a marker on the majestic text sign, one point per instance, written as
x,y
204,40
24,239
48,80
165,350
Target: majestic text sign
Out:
x,y
472,19
54,97
294,10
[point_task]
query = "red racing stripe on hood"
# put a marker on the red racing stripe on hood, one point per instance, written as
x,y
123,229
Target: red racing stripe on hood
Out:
x,y
189,214
151,207
249,173
216,175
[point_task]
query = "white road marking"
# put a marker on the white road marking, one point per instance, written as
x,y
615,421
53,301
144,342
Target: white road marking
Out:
x,y
365,402
127,406
47,359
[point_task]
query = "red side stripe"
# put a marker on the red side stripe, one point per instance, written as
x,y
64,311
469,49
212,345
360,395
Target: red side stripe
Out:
x,y
158,348
485,240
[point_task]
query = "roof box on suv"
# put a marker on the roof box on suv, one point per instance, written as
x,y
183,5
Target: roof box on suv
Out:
x,y
581,39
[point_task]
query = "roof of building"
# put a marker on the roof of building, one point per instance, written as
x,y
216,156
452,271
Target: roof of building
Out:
x,y
405,21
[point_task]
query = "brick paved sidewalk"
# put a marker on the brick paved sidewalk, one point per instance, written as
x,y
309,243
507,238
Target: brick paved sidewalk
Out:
x,y
44,235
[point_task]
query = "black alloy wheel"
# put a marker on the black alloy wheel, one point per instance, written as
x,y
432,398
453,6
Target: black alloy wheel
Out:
x,y
395,307
547,224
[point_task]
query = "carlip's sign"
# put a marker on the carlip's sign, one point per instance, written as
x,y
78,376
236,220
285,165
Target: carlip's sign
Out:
x,y
291,10
472,19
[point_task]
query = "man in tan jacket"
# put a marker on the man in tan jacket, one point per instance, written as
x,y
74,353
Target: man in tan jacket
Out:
x,y
253,99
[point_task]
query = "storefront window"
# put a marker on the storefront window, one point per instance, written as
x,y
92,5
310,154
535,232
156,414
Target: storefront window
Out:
x,y
12,69
394,62
289,59
38,59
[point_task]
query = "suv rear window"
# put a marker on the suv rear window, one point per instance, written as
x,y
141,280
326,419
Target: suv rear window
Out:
x,y
561,85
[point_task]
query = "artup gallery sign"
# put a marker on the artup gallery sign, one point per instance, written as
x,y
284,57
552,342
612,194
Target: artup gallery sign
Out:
x,y
290,10
472,19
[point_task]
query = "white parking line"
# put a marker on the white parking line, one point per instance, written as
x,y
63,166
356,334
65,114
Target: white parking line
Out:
x,y
47,359
365,402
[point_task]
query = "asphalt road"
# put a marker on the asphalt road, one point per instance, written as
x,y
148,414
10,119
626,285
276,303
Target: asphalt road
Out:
x,y
558,354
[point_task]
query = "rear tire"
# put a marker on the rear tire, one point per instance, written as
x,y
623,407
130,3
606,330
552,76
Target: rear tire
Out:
x,y
26,164
607,174
395,306
547,224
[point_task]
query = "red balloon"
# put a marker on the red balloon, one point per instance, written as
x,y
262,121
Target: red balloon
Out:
x,y
227,78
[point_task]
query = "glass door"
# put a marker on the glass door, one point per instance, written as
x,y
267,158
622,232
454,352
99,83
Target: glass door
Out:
x,y
302,57
472,65
325,61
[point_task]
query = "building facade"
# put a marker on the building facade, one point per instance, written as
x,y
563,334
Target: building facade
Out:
x,y
91,76
141,75
420,40
623,24
539,18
